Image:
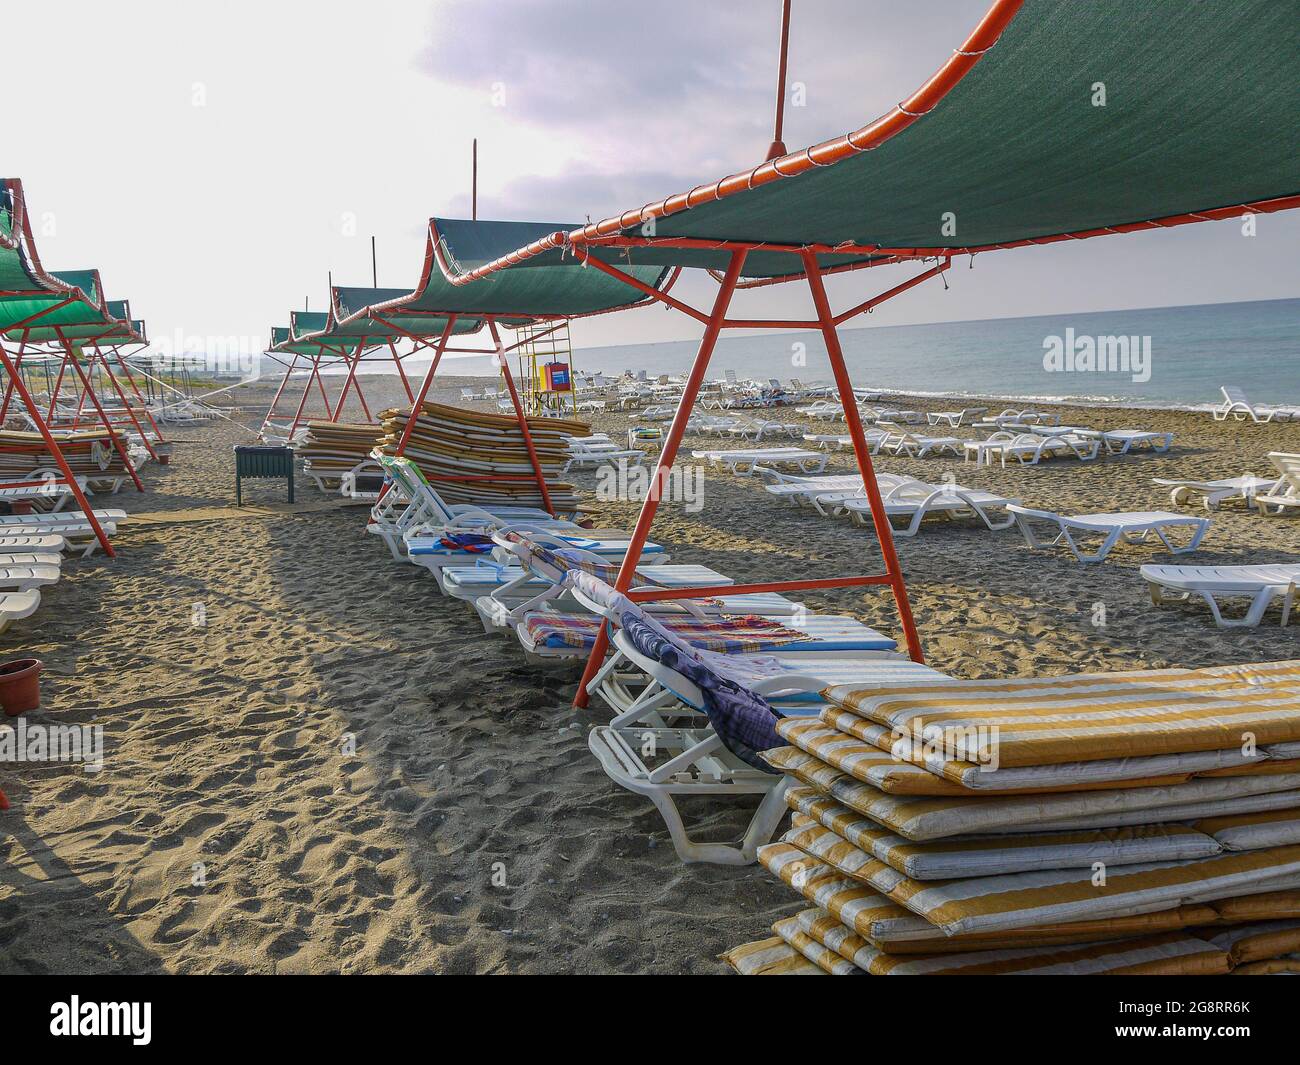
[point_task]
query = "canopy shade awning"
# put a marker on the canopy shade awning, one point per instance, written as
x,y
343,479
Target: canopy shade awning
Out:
x,y
558,287
1055,120
38,307
350,328
284,341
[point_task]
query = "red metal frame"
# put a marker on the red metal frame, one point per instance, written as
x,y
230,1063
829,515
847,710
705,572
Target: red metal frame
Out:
x,y
53,446
71,356
827,323
135,388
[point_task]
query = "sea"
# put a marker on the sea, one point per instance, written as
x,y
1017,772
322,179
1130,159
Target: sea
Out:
x,y
1157,357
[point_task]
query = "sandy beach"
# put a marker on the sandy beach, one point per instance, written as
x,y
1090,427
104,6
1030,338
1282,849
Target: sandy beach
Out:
x,y
316,763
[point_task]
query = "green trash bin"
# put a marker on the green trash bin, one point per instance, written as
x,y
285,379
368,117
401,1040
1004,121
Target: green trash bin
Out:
x,y
260,462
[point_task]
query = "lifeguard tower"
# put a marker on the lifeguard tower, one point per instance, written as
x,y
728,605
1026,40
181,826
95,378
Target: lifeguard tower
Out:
x,y
545,355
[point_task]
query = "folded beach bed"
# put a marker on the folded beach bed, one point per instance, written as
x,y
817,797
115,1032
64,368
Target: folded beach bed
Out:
x,y
1133,527
1261,585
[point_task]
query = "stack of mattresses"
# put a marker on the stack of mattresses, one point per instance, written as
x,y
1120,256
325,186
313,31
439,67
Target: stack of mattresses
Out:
x,y
90,453
472,457
331,449
1125,822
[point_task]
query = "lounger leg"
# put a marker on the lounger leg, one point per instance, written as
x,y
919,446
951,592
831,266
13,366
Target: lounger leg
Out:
x,y
766,818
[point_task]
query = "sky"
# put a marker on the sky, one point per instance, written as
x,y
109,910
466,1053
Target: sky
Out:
x,y
219,162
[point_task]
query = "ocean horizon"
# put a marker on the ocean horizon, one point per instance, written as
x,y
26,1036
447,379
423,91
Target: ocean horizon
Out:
x,y
1161,357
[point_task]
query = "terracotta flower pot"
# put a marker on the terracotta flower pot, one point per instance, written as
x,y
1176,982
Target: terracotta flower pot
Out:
x,y
20,685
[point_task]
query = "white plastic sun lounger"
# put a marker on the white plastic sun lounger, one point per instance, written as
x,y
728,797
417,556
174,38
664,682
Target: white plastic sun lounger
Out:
x,y
25,578
1260,584
902,441
14,606
744,461
955,418
844,442
412,506
1127,526
424,547
1029,448
30,558
1122,441
757,429
1285,494
48,543
660,743
1212,493
1237,406
801,490
591,453
914,501
35,487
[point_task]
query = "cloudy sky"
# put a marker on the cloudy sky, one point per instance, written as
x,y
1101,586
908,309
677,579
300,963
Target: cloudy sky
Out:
x,y
218,161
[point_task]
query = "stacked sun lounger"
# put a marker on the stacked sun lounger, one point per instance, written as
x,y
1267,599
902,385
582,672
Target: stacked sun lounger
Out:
x,y
332,450
473,457
89,452
1143,822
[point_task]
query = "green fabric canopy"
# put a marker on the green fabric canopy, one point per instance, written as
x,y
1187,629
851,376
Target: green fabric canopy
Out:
x,y
458,246
1201,110
30,298
349,325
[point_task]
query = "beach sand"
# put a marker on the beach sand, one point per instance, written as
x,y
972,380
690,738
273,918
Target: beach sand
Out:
x,y
338,772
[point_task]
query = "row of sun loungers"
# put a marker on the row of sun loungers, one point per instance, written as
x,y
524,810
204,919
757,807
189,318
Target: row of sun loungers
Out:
x,y
1045,825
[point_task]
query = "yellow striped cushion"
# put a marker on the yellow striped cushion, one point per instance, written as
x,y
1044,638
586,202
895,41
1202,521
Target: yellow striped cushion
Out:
x,y
1288,966
827,960
1089,716
1172,954
993,855
926,818
1272,828
769,957
1052,897
1257,942
1100,773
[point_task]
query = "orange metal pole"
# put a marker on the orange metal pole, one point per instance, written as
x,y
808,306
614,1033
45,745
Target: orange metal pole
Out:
x,y
523,421
94,399
276,398
401,371
667,456
777,148
9,388
126,403
352,373
425,384
126,372
57,452
306,392
884,533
